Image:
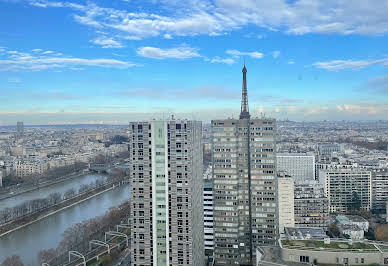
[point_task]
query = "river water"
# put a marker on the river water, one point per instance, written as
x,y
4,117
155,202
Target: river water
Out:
x,y
47,233
45,191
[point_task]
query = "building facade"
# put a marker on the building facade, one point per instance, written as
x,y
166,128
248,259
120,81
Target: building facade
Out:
x,y
379,190
344,188
167,193
208,218
311,207
301,166
245,199
285,201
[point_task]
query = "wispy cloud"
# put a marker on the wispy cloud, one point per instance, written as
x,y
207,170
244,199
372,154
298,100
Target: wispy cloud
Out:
x,y
25,61
106,42
228,61
159,53
201,17
348,64
275,54
237,53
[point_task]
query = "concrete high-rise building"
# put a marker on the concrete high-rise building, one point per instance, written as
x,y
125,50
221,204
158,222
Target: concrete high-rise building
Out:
x,y
301,166
208,216
20,128
244,176
285,201
311,207
379,190
346,188
167,193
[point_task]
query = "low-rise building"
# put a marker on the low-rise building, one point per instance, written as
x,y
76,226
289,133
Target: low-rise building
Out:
x,y
333,252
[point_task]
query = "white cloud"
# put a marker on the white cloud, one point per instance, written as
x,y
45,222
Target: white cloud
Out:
x,y
348,64
196,17
25,61
291,62
167,36
159,53
37,50
362,109
275,54
48,52
217,59
237,53
106,42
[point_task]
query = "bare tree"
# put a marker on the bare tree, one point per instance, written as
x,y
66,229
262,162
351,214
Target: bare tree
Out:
x,y
46,255
12,261
54,198
69,193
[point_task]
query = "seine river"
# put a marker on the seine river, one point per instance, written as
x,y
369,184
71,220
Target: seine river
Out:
x,y
47,233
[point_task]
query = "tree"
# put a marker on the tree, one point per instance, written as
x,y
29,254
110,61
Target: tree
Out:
x,y
13,261
69,193
334,230
46,255
381,232
355,203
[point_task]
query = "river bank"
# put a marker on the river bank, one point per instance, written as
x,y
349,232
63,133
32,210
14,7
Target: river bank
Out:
x,y
34,217
49,231
6,194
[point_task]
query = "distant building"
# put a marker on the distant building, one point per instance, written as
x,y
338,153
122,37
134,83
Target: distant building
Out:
x,y
285,201
341,186
379,190
29,168
208,216
167,193
329,148
20,128
301,166
311,207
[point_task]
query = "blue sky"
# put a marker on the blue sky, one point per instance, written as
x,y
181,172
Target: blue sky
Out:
x,y
121,60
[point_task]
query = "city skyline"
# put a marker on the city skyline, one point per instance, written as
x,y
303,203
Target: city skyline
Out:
x,y
134,60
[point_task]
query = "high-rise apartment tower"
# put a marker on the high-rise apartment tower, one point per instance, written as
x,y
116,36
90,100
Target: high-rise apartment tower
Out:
x,y
245,200
166,193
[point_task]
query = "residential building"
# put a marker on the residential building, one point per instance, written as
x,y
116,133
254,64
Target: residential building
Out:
x,y
29,168
167,193
311,207
208,218
379,190
285,201
329,148
343,188
245,197
352,225
301,166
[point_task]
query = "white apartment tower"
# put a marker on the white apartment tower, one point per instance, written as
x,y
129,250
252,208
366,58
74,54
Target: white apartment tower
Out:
x,y
301,166
167,193
244,176
285,201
